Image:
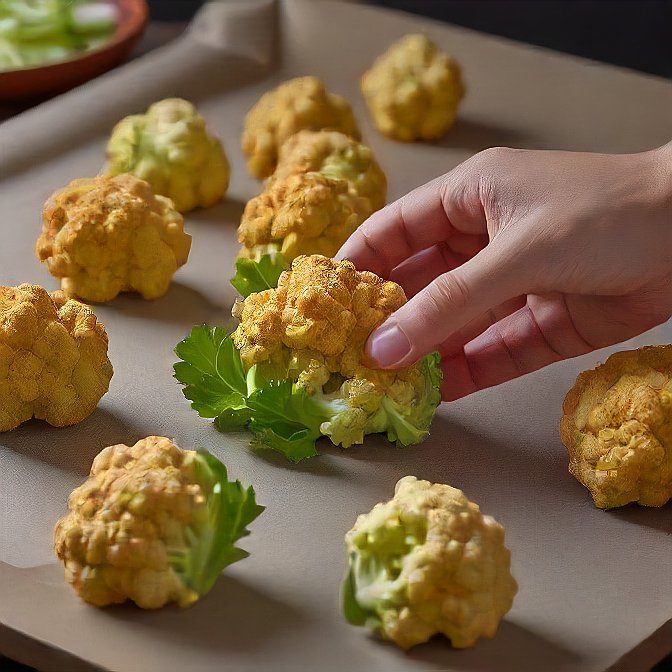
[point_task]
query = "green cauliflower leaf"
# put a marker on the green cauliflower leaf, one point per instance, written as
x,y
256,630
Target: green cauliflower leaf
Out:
x,y
286,416
210,545
255,276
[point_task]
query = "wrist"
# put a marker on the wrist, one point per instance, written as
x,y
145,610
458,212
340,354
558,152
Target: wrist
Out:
x,y
660,167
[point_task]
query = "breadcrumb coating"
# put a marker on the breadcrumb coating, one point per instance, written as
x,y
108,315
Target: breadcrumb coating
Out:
x,y
295,105
106,235
321,306
53,358
334,155
137,501
306,213
617,427
429,562
413,90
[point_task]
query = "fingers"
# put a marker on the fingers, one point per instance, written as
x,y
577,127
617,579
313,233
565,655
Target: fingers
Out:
x,y
444,307
455,342
419,270
467,243
538,334
423,267
415,222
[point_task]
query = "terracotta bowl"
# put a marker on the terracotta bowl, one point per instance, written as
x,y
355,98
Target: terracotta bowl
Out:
x,y
47,80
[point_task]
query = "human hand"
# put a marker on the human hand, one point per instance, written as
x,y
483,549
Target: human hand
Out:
x,y
517,259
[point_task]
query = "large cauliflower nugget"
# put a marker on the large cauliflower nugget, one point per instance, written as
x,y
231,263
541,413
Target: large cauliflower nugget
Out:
x,y
298,104
617,426
306,213
334,155
292,371
323,310
427,562
169,147
152,524
53,358
413,90
106,235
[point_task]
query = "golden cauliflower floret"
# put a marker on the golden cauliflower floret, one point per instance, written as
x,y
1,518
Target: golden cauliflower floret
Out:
x,y
105,235
307,213
413,90
617,427
169,146
153,524
113,541
295,105
428,562
322,306
53,358
335,155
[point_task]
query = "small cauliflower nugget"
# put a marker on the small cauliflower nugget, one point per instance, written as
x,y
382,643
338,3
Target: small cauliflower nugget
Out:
x,y
105,235
617,427
428,562
53,358
153,524
169,147
306,213
298,104
413,90
335,155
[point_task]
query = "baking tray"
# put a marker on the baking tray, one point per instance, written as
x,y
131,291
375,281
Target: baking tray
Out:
x,y
595,588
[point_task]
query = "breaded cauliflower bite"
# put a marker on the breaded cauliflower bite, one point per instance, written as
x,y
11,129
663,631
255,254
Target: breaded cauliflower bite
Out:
x,y
152,524
292,371
298,104
169,146
335,155
323,307
428,562
306,213
312,329
413,90
617,427
53,358
106,235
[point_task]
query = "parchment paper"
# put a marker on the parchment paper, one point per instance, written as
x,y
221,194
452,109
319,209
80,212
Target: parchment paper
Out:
x,y
595,587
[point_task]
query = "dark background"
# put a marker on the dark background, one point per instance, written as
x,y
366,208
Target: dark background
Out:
x,y
632,33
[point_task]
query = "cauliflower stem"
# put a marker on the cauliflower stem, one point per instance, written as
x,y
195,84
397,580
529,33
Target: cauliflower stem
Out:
x,y
286,415
374,580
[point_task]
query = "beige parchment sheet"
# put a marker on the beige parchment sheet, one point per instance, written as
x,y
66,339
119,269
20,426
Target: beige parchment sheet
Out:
x,y
593,585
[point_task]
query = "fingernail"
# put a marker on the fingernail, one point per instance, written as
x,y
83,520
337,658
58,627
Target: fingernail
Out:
x,y
388,345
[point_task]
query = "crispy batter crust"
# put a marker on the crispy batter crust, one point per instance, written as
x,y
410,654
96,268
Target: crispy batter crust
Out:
x,y
306,213
335,155
106,235
322,305
53,358
413,90
137,501
300,103
617,427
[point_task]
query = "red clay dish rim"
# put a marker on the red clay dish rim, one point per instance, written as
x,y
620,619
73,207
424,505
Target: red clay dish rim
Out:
x,y
133,16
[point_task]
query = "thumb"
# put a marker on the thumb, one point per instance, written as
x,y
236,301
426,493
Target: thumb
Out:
x,y
444,306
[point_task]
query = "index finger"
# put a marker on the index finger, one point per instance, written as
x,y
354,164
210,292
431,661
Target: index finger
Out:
x,y
424,217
